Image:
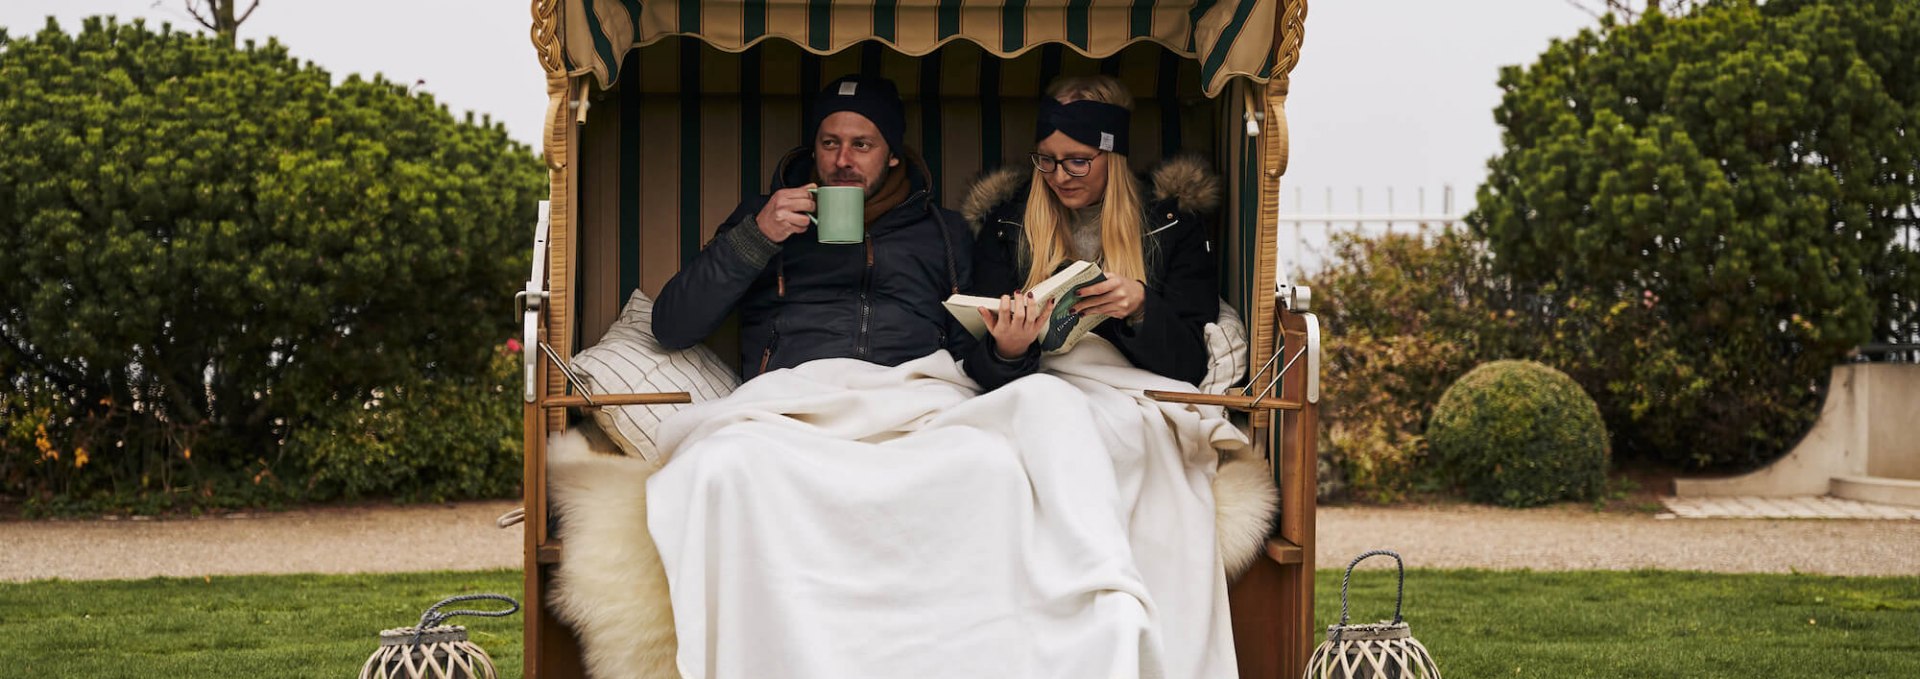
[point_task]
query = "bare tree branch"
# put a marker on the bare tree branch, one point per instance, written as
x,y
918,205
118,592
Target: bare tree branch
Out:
x,y
249,12
1582,6
194,9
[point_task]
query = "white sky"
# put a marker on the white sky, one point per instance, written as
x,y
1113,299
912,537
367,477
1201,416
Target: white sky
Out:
x,y
1389,93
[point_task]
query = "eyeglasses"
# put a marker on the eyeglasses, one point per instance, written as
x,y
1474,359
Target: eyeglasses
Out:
x,y
1075,167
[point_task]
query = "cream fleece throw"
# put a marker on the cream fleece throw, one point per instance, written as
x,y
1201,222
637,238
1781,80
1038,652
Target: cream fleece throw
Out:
x,y
842,519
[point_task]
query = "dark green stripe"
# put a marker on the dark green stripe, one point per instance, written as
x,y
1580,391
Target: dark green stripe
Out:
x,y
583,175
1013,25
809,85
1170,95
1200,9
886,20
1227,36
949,18
690,16
1077,21
754,23
689,149
633,12
750,124
602,47
1142,24
990,123
1051,57
870,53
1267,66
1249,236
628,240
820,24
930,114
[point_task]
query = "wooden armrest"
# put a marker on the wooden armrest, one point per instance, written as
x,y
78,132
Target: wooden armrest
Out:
x,y
549,552
1234,401
665,398
1283,551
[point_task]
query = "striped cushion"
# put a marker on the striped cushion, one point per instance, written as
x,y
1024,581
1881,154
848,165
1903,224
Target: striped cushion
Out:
x,y
628,360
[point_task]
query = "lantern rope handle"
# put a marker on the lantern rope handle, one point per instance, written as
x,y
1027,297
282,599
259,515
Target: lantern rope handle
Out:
x,y
1398,596
433,617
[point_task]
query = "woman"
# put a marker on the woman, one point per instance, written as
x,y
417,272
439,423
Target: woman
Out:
x,y
1081,201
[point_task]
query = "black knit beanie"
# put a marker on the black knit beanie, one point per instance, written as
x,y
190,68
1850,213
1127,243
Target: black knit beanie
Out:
x,y
875,98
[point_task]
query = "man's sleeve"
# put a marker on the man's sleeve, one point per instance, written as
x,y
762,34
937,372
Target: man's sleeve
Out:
x,y
696,300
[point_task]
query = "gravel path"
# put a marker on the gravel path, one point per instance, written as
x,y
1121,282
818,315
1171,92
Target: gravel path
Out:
x,y
1467,536
463,537
375,539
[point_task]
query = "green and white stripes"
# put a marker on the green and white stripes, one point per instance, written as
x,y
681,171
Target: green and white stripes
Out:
x,y
1229,39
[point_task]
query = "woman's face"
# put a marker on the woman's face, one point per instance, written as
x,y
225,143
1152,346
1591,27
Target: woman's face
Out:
x,y
1074,192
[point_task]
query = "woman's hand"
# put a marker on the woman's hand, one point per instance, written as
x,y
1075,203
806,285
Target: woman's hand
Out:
x,y
1017,325
1114,297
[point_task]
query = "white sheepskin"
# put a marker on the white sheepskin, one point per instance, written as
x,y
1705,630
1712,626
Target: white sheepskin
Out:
x,y
1244,501
613,591
610,587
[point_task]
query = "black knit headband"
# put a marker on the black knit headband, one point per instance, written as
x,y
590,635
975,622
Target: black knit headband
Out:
x,y
1102,126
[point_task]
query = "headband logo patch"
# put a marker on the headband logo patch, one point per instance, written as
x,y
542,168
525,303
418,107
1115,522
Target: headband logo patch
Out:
x,y
847,88
1106,141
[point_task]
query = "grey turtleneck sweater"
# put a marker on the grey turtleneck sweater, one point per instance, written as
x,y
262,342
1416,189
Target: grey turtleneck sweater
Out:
x,y
1086,233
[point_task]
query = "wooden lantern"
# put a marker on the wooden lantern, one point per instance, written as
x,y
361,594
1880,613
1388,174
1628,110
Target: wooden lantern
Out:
x,y
1382,650
432,650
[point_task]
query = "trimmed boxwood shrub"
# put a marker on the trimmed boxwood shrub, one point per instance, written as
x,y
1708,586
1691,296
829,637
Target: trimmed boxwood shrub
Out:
x,y
1520,434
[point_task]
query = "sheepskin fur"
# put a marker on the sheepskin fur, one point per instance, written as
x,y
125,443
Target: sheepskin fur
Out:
x,y
612,588
1244,501
1191,184
999,186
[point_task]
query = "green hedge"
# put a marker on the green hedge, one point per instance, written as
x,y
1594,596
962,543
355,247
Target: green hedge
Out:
x,y
1406,315
212,256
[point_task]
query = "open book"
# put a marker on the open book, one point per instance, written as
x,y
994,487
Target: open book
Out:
x,y
1065,327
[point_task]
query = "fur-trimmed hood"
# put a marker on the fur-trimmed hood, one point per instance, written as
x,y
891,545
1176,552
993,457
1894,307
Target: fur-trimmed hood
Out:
x,y
1185,181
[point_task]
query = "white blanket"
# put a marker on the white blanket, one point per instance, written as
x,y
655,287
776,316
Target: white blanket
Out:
x,y
842,519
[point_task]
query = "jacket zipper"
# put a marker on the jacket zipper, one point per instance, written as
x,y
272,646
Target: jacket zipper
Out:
x,y
863,346
766,355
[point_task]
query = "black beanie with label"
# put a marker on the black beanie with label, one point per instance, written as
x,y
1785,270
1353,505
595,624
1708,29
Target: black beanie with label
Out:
x,y
874,98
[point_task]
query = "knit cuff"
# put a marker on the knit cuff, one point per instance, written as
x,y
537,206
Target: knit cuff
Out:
x,y
746,240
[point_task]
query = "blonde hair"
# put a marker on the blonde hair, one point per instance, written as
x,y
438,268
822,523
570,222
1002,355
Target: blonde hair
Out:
x,y
1122,219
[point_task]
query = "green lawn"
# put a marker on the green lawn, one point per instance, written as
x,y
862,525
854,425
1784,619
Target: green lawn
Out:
x,y
1478,623
283,627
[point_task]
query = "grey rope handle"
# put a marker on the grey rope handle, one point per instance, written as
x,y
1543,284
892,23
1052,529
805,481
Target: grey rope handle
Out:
x,y
433,617
1398,596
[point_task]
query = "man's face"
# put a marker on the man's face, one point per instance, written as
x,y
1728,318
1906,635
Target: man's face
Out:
x,y
849,151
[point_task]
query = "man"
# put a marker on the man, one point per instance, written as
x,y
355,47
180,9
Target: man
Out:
x,y
800,300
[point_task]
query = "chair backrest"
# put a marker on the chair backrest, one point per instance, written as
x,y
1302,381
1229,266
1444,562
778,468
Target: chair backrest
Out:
x,y
690,131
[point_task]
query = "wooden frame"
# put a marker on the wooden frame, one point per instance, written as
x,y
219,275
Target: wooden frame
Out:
x,y
1272,605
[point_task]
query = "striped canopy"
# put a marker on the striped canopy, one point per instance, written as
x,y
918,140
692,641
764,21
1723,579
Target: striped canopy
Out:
x,y
1227,38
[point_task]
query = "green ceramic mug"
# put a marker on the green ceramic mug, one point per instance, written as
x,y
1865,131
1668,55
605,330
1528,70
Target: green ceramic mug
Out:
x,y
841,214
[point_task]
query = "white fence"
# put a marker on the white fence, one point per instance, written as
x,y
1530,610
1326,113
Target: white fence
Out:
x,y
1307,230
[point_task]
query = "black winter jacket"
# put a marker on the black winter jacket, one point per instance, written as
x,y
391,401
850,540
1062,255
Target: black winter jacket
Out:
x,y
1182,286
800,300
